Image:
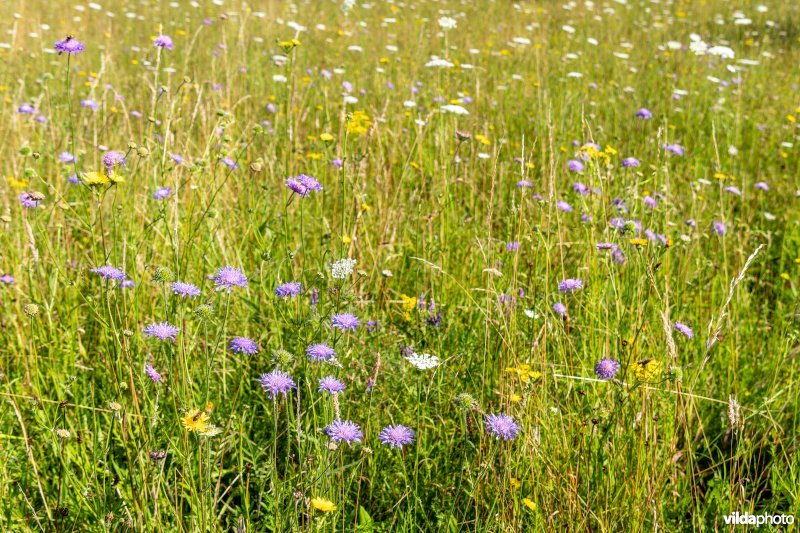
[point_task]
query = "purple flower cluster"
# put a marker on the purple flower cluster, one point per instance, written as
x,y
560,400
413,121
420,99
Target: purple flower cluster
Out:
x,y
501,426
277,382
396,436
303,185
229,277
243,345
344,431
162,331
288,290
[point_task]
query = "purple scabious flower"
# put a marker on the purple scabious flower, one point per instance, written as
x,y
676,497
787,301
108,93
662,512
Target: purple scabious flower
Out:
x,y
372,325
676,149
229,277
163,331
580,188
66,157
618,257
564,206
522,184
644,113
152,373
606,246
650,202
109,272
344,431
571,285
229,162
177,159
512,246
575,165
630,162
185,290
243,345
331,385
501,426
288,290
762,186
126,284
320,352
396,436
313,298
91,104
302,185
606,368
560,309
719,228
345,322
683,328
113,158
163,41
7,279
28,200
26,109
277,382
162,193
733,190
70,46
337,163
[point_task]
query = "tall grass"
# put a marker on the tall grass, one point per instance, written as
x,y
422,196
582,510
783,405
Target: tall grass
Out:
x,y
426,202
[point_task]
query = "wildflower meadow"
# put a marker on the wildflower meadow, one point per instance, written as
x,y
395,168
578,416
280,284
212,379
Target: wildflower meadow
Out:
x,y
431,265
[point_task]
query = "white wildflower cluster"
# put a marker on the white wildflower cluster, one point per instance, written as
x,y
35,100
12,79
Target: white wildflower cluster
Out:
x,y
342,268
423,361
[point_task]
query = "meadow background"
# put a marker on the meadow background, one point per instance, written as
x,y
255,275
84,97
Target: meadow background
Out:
x,y
471,156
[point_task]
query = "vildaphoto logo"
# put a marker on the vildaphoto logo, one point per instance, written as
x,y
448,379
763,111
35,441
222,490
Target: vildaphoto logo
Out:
x,y
747,519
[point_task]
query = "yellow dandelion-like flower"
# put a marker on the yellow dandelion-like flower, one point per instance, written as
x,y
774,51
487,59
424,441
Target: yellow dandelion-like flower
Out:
x,y
515,483
530,504
195,420
515,398
327,137
638,241
95,178
323,504
647,370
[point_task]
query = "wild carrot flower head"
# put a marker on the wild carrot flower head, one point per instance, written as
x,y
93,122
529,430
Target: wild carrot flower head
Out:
x,y
501,426
229,277
162,331
396,436
342,268
423,361
277,382
344,431
70,46
243,345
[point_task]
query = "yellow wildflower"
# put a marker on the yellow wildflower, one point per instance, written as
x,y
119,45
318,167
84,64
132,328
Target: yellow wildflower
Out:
x,y
327,137
196,420
638,241
95,178
530,504
647,370
322,504
359,123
